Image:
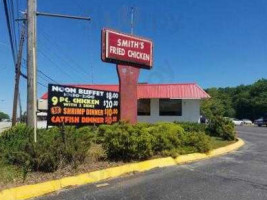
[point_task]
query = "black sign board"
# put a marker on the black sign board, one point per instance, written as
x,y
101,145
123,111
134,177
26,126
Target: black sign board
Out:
x,y
77,106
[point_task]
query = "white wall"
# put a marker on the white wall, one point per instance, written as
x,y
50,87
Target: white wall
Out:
x,y
190,112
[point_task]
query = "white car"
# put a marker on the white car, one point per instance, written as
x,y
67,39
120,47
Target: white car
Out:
x,y
237,122
247,121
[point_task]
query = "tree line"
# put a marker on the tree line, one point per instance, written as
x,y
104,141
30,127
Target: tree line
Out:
x,y
242,102
3,116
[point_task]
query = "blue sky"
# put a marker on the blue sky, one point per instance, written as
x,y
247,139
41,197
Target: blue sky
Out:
x,y
215,43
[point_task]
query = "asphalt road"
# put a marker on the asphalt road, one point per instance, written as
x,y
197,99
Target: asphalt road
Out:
x,y
239,175
4,126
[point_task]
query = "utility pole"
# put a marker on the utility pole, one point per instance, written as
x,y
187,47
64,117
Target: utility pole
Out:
x,y
17,75
31,61
20,108
31,67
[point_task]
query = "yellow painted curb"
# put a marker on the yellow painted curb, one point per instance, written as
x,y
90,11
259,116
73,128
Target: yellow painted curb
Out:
x,y
30,191
216,152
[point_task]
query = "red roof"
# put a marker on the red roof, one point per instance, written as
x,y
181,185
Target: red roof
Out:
x,y
145,91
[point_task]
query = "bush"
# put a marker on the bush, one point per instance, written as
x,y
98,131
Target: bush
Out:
x,y
196,142
221,127
123,141
55,147
167,137
96,153
58,147
192,126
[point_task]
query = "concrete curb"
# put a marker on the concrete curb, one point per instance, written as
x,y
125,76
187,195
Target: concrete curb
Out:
x,y
36,190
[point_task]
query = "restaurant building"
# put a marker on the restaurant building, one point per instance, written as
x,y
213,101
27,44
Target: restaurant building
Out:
x,y
158,102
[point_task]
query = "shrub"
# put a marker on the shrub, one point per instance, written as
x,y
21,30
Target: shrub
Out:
x,y
13,143
123,141
221,127
196,142
126,142
192,126
56,147
96,153
167,136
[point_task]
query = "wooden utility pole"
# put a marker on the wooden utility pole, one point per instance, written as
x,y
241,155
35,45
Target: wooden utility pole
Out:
x,y
17,75
31,61
31,67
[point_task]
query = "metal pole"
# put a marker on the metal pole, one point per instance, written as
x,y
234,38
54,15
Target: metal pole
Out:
x,y
31,67
17,76
62,16
132,20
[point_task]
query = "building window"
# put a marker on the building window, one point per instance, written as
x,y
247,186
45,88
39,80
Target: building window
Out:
x,y
170,107
143,107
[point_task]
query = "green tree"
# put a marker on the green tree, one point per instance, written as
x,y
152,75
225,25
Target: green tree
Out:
x,y
258,93
3,116
214,106
244,101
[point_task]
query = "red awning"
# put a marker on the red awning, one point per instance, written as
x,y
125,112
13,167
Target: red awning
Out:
x,y
161,91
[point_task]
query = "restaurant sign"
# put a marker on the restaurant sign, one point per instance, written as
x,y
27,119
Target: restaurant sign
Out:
x,y
81,106
126,49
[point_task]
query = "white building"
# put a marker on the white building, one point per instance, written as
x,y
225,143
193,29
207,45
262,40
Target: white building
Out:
x,y
159,102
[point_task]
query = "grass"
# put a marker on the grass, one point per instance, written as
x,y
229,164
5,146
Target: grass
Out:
x,y
217,142
9,174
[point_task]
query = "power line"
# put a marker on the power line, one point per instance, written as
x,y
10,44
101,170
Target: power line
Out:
x,y
49,59
66,58
46,76
67,67
41,84
44,79
11,7
9,30
41,72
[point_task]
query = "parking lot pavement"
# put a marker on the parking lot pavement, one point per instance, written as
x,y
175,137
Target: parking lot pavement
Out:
x,y
239,175
4,125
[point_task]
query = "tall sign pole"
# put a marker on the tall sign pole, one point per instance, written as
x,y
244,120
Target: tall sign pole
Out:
x,y
130,53
31,67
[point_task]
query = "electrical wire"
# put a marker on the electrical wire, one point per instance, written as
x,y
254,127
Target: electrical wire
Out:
x,y
47,76
11,7
11,40
54,63
66,58
41,72
41,84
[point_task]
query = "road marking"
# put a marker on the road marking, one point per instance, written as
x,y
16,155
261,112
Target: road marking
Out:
x,y
102,185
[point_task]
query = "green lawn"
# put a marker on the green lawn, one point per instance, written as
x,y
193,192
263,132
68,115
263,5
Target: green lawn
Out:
x,y
9,174
217,142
